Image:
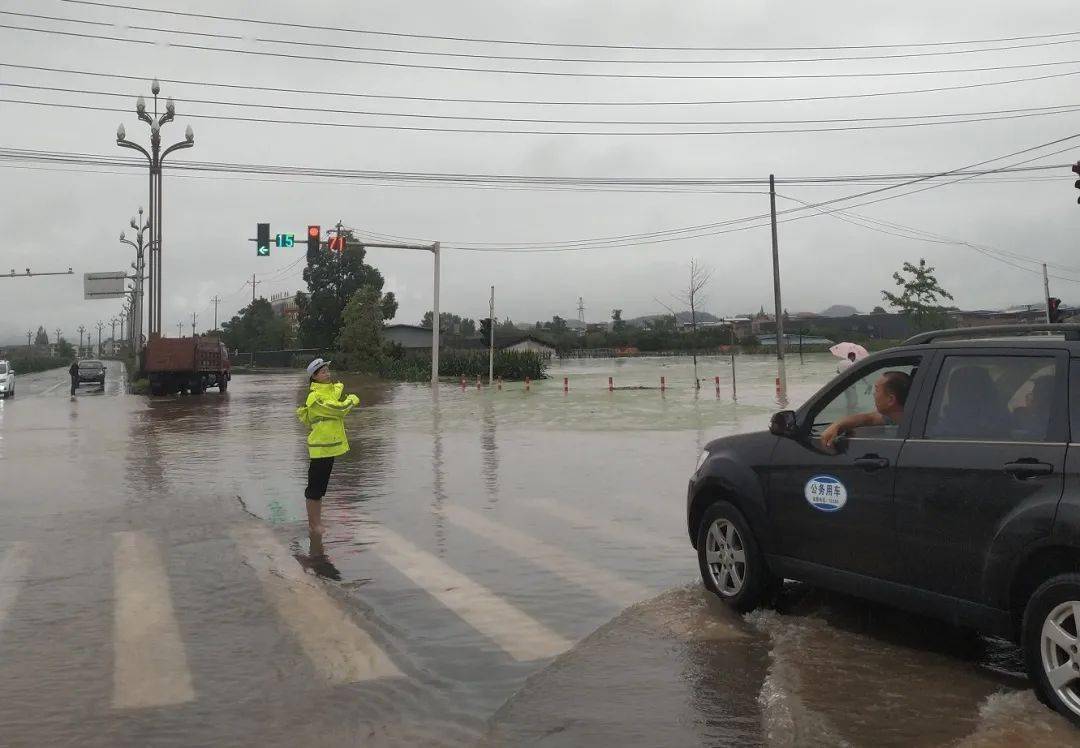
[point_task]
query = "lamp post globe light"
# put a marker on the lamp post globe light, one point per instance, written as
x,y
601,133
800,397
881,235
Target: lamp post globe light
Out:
x,y
155,158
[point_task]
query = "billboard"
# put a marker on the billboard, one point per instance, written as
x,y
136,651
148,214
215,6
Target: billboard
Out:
x,y
104,285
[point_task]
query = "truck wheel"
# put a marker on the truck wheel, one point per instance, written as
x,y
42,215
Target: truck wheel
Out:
x,y
1051,641
223,384
730,560
157,388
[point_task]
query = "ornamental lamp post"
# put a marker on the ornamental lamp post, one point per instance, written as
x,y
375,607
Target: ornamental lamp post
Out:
x,y
155,158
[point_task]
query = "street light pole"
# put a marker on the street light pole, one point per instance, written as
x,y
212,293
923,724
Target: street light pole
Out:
x,y
82,330
155,158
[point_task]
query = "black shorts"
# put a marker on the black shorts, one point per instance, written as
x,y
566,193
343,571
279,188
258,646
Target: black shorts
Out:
x,y
318,476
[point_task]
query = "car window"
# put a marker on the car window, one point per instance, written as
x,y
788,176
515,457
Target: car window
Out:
x,y
3,368
858,397
993,398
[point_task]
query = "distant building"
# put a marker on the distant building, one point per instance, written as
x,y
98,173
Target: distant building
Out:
x,y
526,343
284,305
792,340
409,337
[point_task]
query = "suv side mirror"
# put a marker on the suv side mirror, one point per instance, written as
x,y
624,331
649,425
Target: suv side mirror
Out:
x,y
783,423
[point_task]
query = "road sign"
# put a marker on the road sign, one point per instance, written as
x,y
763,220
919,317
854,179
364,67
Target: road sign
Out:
x,y
285,240
104,285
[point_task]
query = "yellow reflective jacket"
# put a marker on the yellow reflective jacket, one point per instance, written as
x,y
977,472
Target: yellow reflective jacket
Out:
x,y
324,413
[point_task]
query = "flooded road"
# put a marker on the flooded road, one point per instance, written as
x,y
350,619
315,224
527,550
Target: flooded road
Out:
x,y
499,567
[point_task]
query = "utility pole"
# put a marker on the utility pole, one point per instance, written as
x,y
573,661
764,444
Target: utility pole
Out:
x,y
57,338
1046,291
123,319
581,311
113,322
193,317
179,329
779,311
29,335
253,283
216,300
491,335
100,327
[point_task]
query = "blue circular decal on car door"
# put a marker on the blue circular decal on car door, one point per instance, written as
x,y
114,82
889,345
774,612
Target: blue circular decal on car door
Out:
x,y
826,493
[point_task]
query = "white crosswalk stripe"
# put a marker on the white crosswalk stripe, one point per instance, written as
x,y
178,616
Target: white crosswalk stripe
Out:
x,y
515,632
599,581
604,526
149,663
339,649
13,569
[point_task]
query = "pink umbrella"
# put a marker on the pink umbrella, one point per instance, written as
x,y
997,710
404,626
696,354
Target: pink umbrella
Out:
x,y
841,350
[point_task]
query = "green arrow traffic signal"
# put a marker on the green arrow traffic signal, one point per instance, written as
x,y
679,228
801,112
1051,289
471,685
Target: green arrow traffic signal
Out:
x,y
263,251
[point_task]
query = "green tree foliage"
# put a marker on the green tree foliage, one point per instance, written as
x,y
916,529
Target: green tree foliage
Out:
x,y
65,349
451,324
618,324
920,297
257,328
332,280
360,343
509,365
42,337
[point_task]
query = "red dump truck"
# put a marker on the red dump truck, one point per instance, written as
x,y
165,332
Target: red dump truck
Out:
x,y
186,364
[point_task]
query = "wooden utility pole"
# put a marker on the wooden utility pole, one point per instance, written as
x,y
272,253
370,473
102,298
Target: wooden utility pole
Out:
x,y
253,283
779,308
491,335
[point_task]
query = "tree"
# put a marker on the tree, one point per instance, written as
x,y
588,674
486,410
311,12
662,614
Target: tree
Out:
x,y
878,310
618,324
698,280
65,349
257,328
332,279
360,343
42,337
920,297
506,328
451,324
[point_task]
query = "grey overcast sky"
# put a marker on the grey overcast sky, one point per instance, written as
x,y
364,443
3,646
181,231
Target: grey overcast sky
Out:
x,y
55,216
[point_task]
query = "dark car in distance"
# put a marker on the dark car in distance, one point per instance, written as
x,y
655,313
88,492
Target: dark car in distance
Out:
x,y
967,509
91,370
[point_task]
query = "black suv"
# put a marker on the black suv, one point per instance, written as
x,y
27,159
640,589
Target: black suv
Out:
x,y
967,508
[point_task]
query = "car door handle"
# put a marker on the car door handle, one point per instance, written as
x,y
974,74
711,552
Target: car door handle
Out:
x,y
1023,469
870,463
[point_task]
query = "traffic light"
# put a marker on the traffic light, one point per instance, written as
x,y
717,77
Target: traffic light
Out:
x,y
1076,184
336,243
1053,309
262,239
485,329
313,234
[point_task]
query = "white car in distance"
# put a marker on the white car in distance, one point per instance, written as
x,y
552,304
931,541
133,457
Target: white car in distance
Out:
x,y
7,380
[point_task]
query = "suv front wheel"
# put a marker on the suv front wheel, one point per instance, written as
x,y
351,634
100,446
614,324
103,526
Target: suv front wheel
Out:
x,y
1051,640
730,560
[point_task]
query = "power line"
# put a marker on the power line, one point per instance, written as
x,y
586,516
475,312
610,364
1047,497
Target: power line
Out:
x,y
541,73
498,180
324,44
538,102
1061,108
373,32
600,133
725,227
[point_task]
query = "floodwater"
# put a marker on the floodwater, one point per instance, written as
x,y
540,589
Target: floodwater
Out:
x,y
500,567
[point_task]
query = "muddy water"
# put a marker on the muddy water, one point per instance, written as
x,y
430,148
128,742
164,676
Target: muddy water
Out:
x,y
518,557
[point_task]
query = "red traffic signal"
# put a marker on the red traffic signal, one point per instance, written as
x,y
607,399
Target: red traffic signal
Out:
x,y
313,234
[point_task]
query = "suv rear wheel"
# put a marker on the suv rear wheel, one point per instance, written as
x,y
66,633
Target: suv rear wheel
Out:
x,y
731,563
1051,639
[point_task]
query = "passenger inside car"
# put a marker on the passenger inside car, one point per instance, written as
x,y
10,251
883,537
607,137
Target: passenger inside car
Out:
x,y
890,396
